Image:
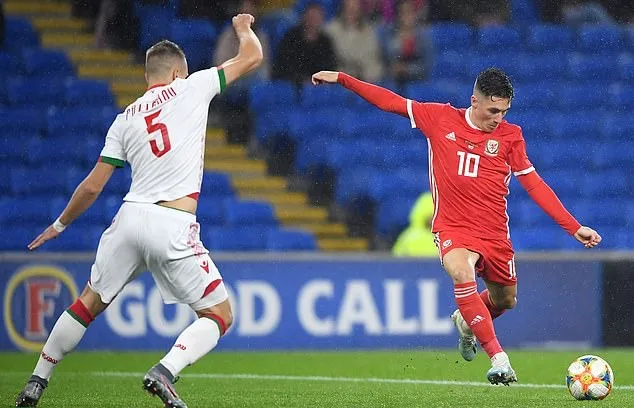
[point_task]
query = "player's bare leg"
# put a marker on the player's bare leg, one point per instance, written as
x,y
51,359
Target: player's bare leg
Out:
x,y
193,343
66,334
460,265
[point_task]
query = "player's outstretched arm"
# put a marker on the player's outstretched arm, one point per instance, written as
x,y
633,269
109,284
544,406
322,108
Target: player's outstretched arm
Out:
x,y
84,196
546,198
382,98
249,53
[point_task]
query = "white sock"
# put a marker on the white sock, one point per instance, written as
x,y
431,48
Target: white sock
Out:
x,y
64,337
194,342
500,359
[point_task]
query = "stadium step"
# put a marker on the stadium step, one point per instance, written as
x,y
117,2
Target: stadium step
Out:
x,y
37,8
343,245
280,198
102,57
329,230
111,72
259,184
45,24
234,152
65,40
296,214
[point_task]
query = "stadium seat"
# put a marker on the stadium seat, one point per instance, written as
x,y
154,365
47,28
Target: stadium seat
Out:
x,y
626,66
269,96
47,63
589,67
290,240
572,127
79,120
451,36
25,211
532,68
197,38
450,65
538,238
26,181
19,34
210,211
393,215
244,238
19,237
33,92
247,212
79,237
600,39
596,212
550,38
608,183
216,184
10,65
155,24
87,92
320,97
622,96
573,97
23,119
495,37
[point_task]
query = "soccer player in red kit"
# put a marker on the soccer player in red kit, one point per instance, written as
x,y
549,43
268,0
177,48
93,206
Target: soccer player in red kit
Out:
x,y
472,154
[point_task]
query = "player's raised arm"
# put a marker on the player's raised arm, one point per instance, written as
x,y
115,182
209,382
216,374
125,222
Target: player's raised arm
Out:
x,y
249,54
84,196
382,98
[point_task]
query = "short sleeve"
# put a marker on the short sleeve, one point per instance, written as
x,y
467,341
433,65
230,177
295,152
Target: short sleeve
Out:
x,y
518,159
208,82
112,152
423,115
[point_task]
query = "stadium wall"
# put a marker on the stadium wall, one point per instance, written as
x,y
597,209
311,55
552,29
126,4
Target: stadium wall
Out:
x,y
308,302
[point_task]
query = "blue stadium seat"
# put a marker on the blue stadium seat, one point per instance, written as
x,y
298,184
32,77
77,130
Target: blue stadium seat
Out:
x,y
98,215
438,91
495,37
608,183
622,95
563,182
450,65
87,92
451,36
539,238
550,38
320,97
81,237
29,120
19,34
155,24
211,211
588,67
575,125
290,240
611,154
532,68
393,215
355,182
378,127
244,238
598,212
247,212
119,183
197,38
312,153
19,237
47,63
524,11
305,125
269,96
600,39
10,65
216,184
26,181
78,120
42,92
626,67
28,211
573,97
618,126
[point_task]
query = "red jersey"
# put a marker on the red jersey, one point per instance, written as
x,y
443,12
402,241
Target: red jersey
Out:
x,y
469,170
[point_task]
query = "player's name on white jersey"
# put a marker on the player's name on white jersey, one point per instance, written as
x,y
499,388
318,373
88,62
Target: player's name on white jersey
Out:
x,y
145,106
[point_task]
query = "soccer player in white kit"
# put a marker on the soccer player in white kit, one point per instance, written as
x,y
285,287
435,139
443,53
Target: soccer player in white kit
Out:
x,y
162,136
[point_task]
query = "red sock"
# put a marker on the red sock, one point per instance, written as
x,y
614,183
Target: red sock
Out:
x,y
493,309
475,313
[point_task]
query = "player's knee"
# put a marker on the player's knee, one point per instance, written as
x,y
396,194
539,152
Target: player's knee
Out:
x,y
506,302
462,274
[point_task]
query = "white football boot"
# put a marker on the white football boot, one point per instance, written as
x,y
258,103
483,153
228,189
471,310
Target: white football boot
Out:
x,y
466,339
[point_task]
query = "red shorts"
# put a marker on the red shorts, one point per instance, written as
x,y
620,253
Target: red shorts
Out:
x,y
496,263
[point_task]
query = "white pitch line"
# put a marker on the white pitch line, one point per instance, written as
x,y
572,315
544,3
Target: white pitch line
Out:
x,y
344,379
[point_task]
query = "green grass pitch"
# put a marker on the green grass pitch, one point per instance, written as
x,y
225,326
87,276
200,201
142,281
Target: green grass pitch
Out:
x,y
319,379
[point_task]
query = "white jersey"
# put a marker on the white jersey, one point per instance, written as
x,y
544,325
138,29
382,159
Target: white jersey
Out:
x,y
162,136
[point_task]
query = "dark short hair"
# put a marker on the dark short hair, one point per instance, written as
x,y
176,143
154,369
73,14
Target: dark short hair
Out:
x,y
494,82
161,57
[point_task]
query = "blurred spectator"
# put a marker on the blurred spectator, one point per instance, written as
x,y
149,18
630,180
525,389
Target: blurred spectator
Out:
x,y
489,12
356,43
219,11
87,9
579,12
384,11
116,26
1,23
417,239
233,101
305,48
409,50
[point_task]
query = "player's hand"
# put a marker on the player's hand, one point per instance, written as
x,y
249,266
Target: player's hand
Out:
x,y
325,77
47,235
242,22
588,237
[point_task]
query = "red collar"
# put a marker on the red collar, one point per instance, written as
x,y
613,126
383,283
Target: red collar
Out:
x,y
156,86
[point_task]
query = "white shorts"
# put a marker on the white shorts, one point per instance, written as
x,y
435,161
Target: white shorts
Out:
x,y
164,241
